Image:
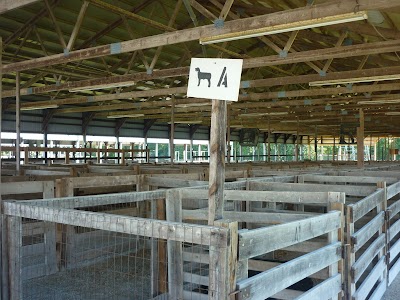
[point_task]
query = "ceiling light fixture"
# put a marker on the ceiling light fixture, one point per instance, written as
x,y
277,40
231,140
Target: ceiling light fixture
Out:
x,y
125,116
102,86
355,80
287,27
24,108
263,114
379,101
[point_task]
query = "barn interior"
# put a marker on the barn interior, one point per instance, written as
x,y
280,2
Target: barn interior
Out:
x,y
117,185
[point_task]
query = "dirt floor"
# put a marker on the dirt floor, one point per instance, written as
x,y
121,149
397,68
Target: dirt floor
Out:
x,y
121,277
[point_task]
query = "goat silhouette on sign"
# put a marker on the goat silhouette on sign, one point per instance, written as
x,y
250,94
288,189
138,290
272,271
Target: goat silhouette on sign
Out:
x,y
203,75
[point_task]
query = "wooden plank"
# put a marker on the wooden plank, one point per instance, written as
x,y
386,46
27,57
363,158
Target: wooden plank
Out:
x,y
263,240
249,217
172,182
393,190
366,258
198,234
369,282
278,196
287,274
394,209
350,190
17,188
98,200
346,179
287,294
394,251
261,266
362,207
366,232
104,181
394,229
379,291
393,272
328,289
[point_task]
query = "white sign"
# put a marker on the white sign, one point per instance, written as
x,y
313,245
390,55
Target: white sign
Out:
x,y
213,78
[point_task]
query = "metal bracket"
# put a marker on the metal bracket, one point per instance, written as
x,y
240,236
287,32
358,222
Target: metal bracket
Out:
x,y
219,23
283,54
245,84
281,94
115,48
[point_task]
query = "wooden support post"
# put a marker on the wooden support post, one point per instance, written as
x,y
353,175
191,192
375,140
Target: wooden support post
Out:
x,y
162,251
18,125
122,157
225,261
26,156
191,149
67,161
360,141
14,237
3,239
316,144
228,136
382,206
172,132
269,143
98,155
336,202
217,161
333,150
297,141
175,251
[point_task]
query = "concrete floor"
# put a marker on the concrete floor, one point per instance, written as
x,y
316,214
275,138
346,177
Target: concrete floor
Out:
x,y
393,292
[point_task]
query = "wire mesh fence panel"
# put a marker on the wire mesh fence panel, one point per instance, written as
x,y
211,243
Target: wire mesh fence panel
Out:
x,y
93,252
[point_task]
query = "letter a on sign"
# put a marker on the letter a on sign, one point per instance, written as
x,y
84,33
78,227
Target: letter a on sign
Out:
x,y
217,79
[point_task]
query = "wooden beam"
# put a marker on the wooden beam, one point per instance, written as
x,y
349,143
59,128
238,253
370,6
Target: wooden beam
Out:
x,y
175,37
77,26
55,24
131,15
7,5
184,71
225,10
243,97
31,22
113,25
